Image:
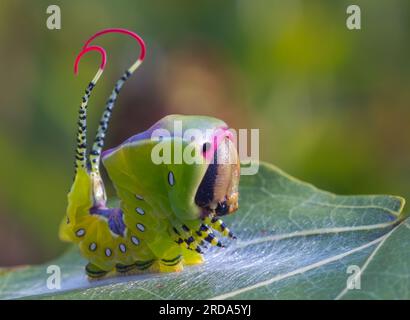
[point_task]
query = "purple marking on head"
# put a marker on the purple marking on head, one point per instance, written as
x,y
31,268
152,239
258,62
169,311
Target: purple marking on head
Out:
x,y
114,216
135,138
220,132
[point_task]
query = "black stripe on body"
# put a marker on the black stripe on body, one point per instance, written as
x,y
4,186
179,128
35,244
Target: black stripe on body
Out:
x,y
93,272
125,268
142,265
172,262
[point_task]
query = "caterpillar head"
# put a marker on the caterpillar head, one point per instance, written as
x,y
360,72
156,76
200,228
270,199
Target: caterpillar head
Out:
x,y
218,191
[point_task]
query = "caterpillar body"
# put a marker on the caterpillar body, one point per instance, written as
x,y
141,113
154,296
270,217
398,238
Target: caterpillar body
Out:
x,y
169,211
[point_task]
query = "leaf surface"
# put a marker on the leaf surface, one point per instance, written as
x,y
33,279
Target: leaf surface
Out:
x,y
294,242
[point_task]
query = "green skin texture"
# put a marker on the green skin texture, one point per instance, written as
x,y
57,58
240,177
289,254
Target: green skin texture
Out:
x,y
166,206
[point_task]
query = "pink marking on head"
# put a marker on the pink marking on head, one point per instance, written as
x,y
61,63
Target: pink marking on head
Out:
x,y
219,134
88,49
124,31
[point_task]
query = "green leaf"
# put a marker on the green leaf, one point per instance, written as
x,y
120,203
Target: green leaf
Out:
x,y
294,242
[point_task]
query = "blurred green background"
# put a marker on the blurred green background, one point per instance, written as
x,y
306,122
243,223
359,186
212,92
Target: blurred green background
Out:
x,y
332,105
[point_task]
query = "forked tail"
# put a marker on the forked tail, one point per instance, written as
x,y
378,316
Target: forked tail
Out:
x,y
88,221
81,150
95,153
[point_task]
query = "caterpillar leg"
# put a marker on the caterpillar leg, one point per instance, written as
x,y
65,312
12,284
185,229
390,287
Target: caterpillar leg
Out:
x,y
205,233
135,268
94,272
155,266
184,237
170,265
196,237
144,265
220,226
125,269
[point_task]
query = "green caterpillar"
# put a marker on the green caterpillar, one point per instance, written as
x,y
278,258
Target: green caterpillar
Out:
x,y
168,211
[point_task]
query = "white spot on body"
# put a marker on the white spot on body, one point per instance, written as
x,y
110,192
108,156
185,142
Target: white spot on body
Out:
x,y
140,211
171,179
140,227
135,240
122,247
80,232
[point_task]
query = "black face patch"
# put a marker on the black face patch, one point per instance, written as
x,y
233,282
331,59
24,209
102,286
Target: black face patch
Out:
x,y
205,193
205,147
